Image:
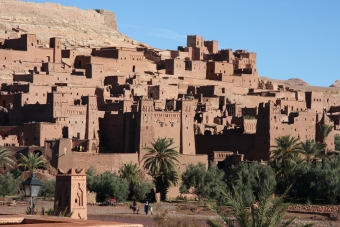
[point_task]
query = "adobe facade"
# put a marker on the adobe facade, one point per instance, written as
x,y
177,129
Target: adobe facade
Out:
x,y
103,108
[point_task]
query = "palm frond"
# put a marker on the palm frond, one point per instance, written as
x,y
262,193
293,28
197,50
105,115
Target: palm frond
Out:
x,y
5,157
32,161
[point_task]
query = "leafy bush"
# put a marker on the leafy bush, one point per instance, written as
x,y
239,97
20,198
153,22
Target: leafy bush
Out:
x,y
48,188
7,185
107,185
110,185
249,179
201,182
142,190
90,179
337,142
321,179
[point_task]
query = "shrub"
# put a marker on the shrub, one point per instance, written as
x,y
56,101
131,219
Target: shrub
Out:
x,y
249,179
201,182
48,188
7,185
142,190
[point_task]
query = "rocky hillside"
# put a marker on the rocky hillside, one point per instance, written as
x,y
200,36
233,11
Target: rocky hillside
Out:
x,y
336,84
77,28
289,82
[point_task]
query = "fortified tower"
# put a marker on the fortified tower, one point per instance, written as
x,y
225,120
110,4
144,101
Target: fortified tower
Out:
x,y
263,136
146,130
55,43
187,127
92,124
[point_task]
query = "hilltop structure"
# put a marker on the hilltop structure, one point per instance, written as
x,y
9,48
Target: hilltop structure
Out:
x,y
102,108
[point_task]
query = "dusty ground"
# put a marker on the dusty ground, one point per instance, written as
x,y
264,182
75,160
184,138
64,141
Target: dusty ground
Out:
x,y
175,212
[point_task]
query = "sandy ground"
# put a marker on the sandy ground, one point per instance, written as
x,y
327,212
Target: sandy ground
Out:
x,y
175,212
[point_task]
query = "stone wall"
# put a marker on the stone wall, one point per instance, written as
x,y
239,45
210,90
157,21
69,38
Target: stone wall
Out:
x,y
109,18
102,162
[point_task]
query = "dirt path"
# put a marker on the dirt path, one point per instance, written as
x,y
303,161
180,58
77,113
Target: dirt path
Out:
x,y
183,213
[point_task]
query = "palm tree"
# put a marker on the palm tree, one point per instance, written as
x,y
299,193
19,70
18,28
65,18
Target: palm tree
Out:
x,y
267,212
130,172
5,157
287,148
160,160
32,161
325,130
311,149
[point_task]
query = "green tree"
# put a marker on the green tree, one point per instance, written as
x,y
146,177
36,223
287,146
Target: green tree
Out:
x,y
337,142
322,179
311,149
202,182
325,130
110,185
5,157
160,160
130,172
268,212
107,185
32,161
7,185
48,188
249,179
91,179
287,147
285,171
143,189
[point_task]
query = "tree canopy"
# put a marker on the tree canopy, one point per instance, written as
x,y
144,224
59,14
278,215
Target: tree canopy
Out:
x,y
32,161
287,147
196,179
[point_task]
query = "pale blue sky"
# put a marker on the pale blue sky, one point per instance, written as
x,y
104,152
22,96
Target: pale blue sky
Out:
x,y
292,38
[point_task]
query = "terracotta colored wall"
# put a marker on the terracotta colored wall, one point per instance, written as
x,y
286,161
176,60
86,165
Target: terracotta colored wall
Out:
x,y
102,162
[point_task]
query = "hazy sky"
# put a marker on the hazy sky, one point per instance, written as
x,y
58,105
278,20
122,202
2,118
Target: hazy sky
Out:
x,y
292,38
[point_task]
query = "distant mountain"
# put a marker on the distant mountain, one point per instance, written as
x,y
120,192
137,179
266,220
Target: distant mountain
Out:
x,y
289,82
336,84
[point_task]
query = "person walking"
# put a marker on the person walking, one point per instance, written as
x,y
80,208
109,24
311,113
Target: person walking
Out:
x,y
146,207
150,208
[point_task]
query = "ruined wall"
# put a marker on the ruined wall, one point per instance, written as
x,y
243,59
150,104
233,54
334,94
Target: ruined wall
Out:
x,y
102,162
109,18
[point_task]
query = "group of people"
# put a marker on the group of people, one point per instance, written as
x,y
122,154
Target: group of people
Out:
x,y
147,208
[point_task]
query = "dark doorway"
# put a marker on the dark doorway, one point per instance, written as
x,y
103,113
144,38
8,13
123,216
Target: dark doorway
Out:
x,y
220,165
65,132
134,69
